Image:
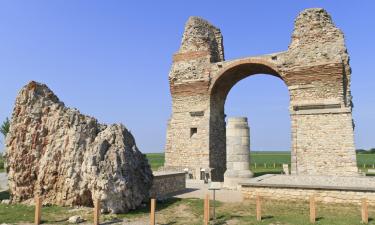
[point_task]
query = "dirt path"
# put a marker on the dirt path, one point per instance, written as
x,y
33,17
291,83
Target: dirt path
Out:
x,y
3,182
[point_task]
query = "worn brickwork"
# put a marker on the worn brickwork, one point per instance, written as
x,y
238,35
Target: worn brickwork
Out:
x,y
316,70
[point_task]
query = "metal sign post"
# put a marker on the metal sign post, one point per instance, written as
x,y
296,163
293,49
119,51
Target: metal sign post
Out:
x,y
214,186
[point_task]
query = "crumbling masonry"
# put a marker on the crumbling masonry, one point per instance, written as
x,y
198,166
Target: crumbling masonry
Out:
x,y
316,70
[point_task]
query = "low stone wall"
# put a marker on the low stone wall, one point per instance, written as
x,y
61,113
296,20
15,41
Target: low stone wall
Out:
x,y
321,195
167,183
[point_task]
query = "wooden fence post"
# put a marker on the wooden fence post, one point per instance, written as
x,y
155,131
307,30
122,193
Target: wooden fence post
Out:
x,y
152,213
38,209
312,209
364,211
207,209
96,211
258,208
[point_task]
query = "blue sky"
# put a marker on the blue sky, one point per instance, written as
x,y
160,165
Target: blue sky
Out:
x,y
110,59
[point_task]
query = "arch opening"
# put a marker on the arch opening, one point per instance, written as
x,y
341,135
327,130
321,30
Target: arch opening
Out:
x,y
221,87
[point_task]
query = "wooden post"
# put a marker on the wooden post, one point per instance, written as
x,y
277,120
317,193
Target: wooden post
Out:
x,y
152,213
364,211
312,209
38,209
207,209
258,208
96,211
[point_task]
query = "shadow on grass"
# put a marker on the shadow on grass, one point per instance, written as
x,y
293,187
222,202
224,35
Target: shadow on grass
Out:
x,y
160,205
4,195
186,190
54,221
222,219
267,217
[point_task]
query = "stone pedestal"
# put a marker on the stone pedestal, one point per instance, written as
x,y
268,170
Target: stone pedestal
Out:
x,y
238,152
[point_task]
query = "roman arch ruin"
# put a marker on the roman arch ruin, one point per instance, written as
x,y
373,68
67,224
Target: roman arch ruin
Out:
x,y
315,69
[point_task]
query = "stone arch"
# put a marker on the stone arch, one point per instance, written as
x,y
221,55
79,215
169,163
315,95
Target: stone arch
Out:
x,y
232,73
316,70
225,79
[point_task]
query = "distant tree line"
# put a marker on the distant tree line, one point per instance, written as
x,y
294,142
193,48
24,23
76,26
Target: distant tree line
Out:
x,y
4,129
364,151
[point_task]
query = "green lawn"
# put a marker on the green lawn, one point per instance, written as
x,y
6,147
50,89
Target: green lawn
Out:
x,y
190,212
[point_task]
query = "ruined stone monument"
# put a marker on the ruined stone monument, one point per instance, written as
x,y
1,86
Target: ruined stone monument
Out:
x,y
238,149
69,158
316,70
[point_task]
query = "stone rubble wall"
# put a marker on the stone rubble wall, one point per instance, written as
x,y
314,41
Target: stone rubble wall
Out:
x,y
315,153
183,148
167,183
300,194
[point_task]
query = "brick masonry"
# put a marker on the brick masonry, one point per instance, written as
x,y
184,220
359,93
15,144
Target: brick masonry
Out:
x,y
316,70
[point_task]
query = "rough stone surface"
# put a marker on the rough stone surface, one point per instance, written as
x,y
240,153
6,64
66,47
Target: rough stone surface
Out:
x,y
69,159
316,70
5,201
75,219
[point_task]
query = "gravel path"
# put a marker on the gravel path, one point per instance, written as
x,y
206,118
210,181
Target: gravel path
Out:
x,y
199,190
3,182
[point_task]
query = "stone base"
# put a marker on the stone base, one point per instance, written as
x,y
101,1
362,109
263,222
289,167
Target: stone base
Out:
x,y
326,189
233,182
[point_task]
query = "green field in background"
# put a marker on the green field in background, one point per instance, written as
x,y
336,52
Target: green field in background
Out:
x,y
270,160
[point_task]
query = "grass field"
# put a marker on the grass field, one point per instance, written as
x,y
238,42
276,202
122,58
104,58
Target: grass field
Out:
x,y
190,212
268,162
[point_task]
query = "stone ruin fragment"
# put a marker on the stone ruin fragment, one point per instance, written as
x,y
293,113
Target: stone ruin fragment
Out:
x,y
69,159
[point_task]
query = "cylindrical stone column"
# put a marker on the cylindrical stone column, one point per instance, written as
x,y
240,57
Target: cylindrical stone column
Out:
x,y
238,152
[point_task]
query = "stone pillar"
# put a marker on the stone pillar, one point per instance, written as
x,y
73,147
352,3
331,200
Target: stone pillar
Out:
x,y
238,152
